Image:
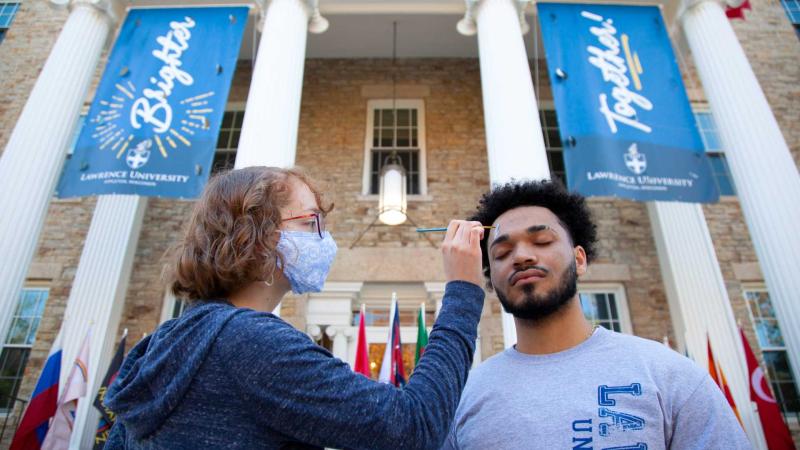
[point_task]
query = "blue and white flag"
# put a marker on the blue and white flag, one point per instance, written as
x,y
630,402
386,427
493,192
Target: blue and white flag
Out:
x,y
152,128
625,120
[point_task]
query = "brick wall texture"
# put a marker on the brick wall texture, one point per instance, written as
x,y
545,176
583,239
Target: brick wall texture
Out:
x,y
331,147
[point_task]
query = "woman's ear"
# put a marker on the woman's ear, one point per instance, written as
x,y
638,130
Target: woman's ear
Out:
x,y
581,262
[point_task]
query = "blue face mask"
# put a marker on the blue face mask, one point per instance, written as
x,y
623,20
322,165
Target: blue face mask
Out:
x,y
308,259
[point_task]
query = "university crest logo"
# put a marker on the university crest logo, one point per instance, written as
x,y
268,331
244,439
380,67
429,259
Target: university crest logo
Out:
x,y
635,161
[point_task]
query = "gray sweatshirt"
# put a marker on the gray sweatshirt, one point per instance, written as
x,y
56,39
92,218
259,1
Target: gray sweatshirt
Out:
x,y
613,391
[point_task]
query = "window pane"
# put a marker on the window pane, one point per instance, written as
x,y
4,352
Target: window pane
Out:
x,y
612,303
769,335
223,160
775,360
374,187
235,139
409,159
224,137
28,304
238,119
403,117
792,8
13,362
32,331
386,138
227,119
7,392
7,12
19,331
388,118
178,308
403,137
778,365
602,307
721,173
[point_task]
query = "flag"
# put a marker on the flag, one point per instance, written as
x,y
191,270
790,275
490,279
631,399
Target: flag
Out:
x,y
36,420
719,377
61,428
775,430
737,12
107,417
362,356
392,370
422,335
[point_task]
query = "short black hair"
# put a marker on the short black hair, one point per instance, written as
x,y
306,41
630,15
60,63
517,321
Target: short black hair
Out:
x,y
570,209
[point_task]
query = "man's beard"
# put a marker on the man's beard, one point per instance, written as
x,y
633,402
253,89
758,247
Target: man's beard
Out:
x,y
537,306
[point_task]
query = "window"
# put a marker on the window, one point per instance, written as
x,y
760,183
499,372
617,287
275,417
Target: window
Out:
x,y
228,140
395,127
18,343
773,350
792,8
172,307
552,142
713,146
7,13
605,306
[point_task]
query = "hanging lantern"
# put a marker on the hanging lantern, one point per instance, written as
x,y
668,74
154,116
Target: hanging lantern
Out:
x,y
392,192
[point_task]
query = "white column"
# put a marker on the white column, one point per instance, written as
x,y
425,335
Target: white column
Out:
x,y
765,175
698,300
514,140
340,338
352,346
272,113
97,297
269,130
32,161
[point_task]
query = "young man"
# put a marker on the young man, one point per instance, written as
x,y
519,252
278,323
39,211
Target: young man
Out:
x,y
567,385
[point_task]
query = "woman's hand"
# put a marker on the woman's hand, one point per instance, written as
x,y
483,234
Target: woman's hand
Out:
x,y
461,250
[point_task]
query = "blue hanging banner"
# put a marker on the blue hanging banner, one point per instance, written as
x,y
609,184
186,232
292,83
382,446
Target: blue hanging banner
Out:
x,y
152,128
625,120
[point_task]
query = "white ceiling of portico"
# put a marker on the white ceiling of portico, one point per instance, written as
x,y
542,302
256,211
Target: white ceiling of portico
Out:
x,y
363,28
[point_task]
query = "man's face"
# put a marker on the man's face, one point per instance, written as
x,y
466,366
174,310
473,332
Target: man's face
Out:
x,y
534,265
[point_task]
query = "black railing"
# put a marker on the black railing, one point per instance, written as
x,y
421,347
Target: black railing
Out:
x,y
15,409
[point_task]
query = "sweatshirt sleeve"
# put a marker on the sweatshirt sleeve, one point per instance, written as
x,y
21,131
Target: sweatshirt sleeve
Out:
x,y
297,388
706,420
116,438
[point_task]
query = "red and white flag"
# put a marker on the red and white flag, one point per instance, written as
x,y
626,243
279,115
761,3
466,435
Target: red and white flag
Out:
x,y
362,356
737,12
775,430
61,427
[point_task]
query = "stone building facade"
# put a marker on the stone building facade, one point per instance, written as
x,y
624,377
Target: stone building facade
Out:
x,y
331,146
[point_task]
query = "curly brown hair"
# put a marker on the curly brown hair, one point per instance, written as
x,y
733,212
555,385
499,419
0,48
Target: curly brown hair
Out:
x,y
229,240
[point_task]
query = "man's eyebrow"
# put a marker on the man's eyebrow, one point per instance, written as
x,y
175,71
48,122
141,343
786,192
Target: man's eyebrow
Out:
x,y
530,230
499,240
538,228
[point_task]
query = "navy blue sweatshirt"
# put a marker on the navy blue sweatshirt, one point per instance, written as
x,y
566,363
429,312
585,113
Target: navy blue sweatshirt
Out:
x,y
233,378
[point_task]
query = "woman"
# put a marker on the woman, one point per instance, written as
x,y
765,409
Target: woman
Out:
x,y
229,374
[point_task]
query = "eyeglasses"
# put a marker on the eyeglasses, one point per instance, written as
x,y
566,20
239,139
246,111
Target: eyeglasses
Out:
x,y
314,223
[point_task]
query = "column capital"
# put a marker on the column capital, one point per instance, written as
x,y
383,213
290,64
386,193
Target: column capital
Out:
x,y
316,23
468,26
114,10
686,5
